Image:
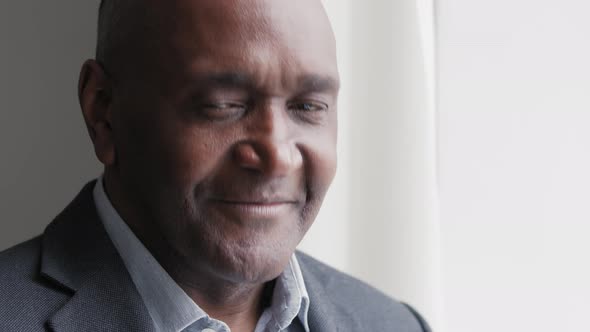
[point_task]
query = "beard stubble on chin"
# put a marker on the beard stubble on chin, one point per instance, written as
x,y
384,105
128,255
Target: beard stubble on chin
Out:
x,y
234,251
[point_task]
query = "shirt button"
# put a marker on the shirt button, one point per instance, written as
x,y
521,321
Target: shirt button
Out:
x,y
208,330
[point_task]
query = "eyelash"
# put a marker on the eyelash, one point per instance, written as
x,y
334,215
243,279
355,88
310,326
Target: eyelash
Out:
x,y
308,111
223,111
301,106
309,106
224,106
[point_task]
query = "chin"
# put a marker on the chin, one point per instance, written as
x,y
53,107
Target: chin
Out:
x,y
235,250
250,261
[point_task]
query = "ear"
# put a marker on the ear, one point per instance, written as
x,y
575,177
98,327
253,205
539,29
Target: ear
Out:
x,y
95,96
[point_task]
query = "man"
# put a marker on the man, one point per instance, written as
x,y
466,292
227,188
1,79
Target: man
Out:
x,y
216,124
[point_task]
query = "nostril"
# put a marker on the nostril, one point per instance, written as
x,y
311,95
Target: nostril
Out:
x,y
272,158
247,156
284,159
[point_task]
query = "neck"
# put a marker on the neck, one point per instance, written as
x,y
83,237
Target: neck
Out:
x,y
239,306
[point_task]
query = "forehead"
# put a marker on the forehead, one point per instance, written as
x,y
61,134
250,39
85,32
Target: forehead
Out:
x,y
258,37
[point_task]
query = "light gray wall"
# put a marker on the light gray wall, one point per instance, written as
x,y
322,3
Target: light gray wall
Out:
x,y
46,155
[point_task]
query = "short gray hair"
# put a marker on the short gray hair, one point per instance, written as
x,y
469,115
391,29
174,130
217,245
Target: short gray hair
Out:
x,y
107,21
116,21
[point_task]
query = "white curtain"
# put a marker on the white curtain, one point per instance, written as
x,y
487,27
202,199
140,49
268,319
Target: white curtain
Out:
x,y
514,109
379,221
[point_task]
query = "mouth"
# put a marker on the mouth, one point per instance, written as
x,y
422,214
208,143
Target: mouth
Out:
x,y
263,209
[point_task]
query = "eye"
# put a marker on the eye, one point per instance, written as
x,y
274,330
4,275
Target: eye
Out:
x,y
309,111
308,106
222,110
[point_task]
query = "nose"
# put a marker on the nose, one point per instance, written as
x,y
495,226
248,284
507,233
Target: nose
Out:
x,y
269,147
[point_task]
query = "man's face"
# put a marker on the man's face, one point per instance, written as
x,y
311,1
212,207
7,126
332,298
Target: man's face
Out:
x,y
225,136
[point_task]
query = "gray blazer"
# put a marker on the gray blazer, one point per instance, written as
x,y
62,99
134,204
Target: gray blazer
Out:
x,y
71,279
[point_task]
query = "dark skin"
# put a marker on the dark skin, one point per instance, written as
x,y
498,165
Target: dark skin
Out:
x,y
218,138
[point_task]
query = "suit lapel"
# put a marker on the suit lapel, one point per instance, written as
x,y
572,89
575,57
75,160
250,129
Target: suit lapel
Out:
x,y
79,257
107,301
323,315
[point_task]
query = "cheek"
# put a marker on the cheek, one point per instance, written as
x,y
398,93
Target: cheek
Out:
x,y
191,155
320,167
326,169
324,154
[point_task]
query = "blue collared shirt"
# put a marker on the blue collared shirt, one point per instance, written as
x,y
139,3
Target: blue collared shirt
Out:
x,y
171,309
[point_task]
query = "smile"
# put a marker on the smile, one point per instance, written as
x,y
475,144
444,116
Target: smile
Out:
x,y
257,210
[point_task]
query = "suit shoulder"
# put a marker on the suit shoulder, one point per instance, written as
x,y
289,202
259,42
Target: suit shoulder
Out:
x,y
350,289
351,296
26,298
20,260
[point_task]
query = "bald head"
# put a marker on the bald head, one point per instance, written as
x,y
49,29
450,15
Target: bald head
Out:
x,y
126,27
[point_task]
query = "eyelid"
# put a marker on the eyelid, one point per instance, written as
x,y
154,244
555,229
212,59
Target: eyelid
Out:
x,y
221,110
223,105
315,104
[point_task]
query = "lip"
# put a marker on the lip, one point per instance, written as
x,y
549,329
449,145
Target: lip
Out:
x,y
267,209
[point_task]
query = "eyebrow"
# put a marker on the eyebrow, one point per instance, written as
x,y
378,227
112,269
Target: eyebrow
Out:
x,y
305,83
228,79
318,83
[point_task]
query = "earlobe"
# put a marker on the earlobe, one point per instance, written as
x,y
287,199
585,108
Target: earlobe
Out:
x,y
95,96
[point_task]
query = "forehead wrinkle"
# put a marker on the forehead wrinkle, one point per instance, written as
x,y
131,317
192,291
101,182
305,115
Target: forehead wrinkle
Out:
x,y
270,73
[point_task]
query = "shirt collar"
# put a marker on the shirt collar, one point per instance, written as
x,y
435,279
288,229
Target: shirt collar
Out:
x,y
171,309
290,298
